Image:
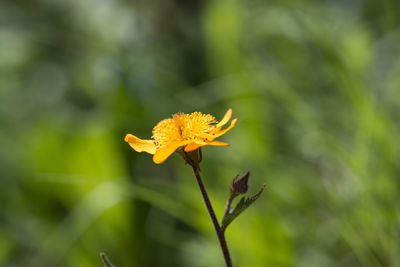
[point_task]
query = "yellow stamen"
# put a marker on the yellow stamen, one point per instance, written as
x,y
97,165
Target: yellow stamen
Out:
x,y
182,127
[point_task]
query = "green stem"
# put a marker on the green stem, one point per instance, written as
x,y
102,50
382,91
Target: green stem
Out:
x,y
218,229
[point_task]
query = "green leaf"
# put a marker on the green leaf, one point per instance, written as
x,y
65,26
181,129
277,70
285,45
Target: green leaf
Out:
x,y
241,206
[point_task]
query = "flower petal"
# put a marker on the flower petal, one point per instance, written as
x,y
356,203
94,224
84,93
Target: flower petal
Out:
x,y
217,143
222,132
164,152
225,119
140,145
193,146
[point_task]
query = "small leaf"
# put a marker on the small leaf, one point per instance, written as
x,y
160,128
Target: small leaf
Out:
x,y
106,262
241,206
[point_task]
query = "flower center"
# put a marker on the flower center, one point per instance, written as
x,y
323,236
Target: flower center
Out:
x,y
195,126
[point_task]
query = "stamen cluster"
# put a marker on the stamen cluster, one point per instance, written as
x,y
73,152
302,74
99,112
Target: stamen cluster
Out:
x,y
181,127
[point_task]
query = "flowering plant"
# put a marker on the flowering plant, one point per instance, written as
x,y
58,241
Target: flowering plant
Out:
x,y
187,134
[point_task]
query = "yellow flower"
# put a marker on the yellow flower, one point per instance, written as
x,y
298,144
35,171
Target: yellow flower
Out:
x,y
187,131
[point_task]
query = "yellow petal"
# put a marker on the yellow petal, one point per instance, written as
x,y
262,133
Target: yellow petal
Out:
x,y
140,145
193,146
217,143
222,132
164,152
225,119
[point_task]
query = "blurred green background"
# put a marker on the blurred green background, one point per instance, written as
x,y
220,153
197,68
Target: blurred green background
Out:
x,y
316,88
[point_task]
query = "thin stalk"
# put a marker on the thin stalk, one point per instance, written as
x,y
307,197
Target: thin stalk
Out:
x,y
218,229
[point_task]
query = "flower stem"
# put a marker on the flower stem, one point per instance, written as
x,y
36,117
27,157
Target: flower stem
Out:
x,y
218,229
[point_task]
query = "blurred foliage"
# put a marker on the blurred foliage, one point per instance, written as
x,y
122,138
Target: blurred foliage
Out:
x,y
315,85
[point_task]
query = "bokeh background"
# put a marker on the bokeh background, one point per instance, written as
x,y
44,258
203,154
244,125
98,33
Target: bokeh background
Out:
x,y
315,85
